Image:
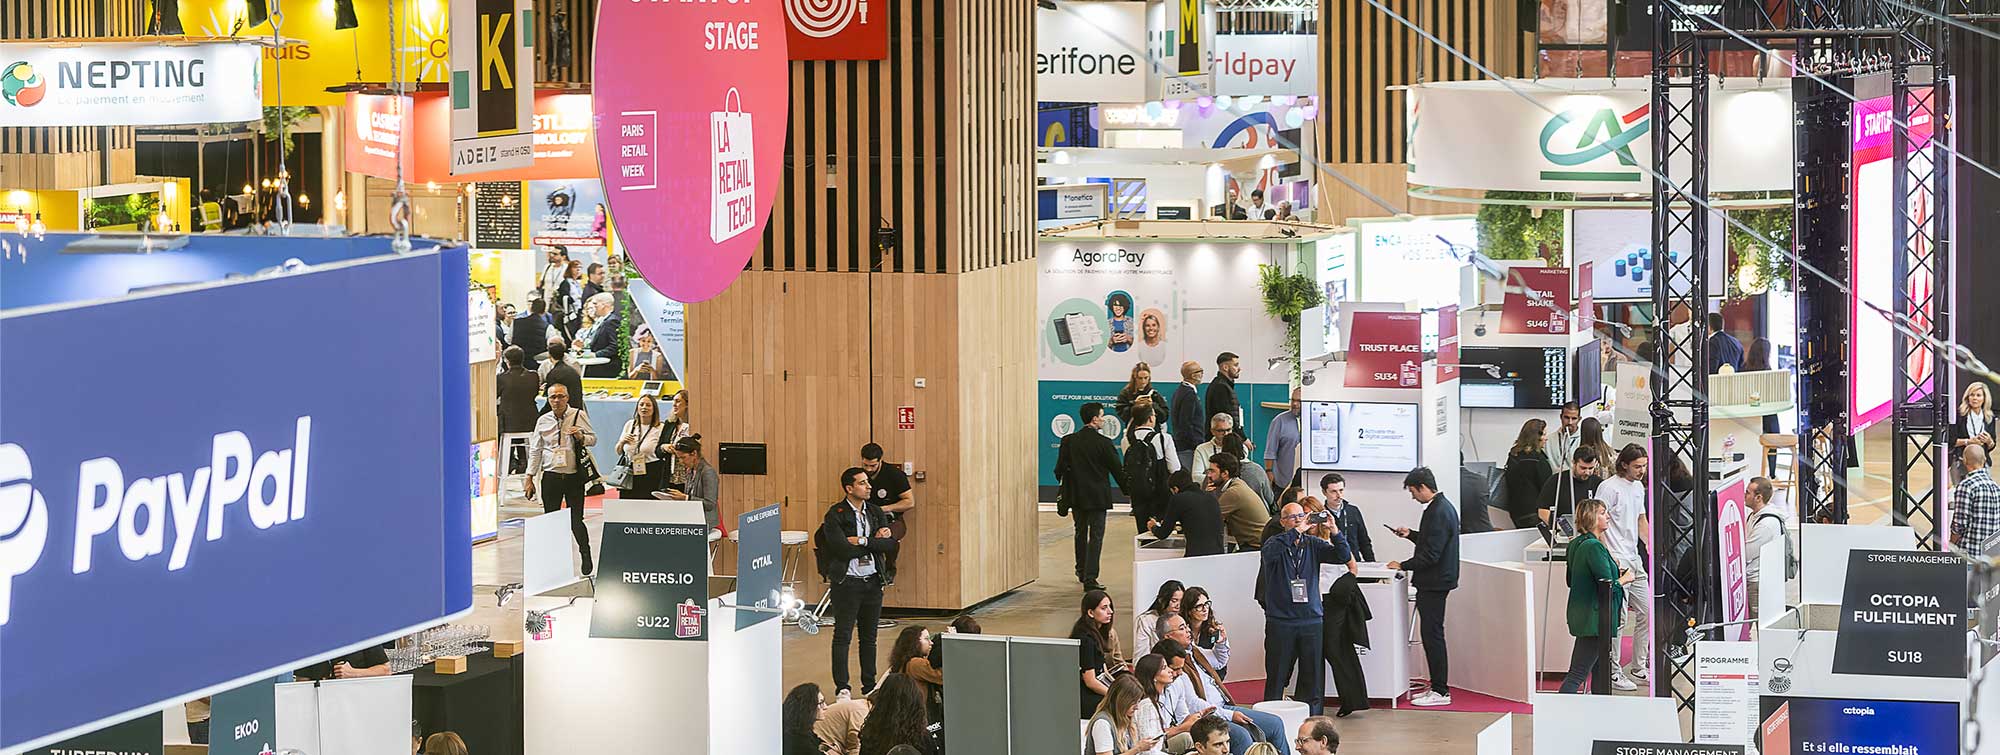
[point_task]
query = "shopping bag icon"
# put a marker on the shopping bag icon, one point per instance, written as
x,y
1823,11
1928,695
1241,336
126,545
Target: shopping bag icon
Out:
x,y
733,176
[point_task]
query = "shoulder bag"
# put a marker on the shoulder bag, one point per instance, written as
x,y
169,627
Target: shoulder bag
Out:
x,y
586,466
621,472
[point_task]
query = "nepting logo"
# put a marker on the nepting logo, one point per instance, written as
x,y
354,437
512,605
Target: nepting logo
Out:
x,y
21,86
1604,133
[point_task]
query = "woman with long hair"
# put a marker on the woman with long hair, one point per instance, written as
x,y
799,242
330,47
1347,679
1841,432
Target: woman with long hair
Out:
x,y
1527,469
911,656
897,718
1152,337
1590,566
802,709
702,482
1156,717
640,445
1591,435
1145,628
1975,420
1114,725
1095,651
677,427
1211,638
1139,387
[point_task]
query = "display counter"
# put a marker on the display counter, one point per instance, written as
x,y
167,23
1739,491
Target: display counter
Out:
x,y
482,704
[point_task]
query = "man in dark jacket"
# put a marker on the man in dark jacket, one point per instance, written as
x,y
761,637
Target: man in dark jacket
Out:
x,y
1434,573
1197,513
604,340
531,331
1222,390
1348,518
1189,424
851,543
1569,487
1086,462
516,389
1293,614
563,374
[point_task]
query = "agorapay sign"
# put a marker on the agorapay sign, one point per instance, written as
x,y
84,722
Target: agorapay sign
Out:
x,y
125,84
233,527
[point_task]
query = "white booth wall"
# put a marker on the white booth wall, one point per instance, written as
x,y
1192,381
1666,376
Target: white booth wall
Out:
x,y
1380,495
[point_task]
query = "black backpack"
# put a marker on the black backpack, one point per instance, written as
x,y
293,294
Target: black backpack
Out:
x,y
1145,473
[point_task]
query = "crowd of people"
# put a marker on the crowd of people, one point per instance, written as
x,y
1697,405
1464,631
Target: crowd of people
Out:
x,y
904,713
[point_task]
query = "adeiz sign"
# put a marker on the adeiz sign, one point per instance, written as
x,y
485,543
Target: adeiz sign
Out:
x,y
1265,64
492,104
129,84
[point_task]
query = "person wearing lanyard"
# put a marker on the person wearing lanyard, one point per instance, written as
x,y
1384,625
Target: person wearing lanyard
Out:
x,y
851,539
1292,610
702,483
559,436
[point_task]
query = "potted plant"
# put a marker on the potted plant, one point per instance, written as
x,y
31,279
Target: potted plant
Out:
x,y
1285,296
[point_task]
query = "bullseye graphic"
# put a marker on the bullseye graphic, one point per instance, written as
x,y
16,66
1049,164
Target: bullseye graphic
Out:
x,y
824,18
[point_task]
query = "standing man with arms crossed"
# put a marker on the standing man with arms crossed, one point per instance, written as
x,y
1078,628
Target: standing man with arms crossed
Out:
x,y
1434,573
1281,447
890,489
852,539
1292,612
1189,423
1222,391
1086,462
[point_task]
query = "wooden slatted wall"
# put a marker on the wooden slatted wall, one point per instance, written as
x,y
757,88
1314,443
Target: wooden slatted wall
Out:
x,y
866,143
991,153
1364,52
577,22
67,157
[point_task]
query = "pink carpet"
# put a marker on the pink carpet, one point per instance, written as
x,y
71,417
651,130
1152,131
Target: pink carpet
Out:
x,y
1248,691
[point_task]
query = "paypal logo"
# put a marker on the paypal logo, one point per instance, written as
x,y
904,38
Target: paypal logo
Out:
x,y
150,512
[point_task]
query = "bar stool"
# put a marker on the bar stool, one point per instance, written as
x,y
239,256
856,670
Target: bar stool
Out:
x,y
1774,444
509,442
792,550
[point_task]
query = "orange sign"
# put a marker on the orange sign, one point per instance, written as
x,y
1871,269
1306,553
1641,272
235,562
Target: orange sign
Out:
x,y
565,146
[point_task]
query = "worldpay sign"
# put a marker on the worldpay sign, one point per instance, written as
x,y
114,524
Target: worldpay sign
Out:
x,y
129,84
691,113
249,536
1384,349
1265,64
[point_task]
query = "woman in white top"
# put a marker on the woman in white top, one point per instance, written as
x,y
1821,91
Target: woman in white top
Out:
x,y
1158,717
1624,497
1114,730
1146,628
640,444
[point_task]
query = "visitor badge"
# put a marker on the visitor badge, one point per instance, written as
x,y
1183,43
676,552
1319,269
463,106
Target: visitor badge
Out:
x,y
732,177
1298,591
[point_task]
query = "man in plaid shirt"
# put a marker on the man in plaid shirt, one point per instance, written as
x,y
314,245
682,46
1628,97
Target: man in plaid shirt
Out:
x,y
1976,503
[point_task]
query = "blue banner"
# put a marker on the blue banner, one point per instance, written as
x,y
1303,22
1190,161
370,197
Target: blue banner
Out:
x,y
205,487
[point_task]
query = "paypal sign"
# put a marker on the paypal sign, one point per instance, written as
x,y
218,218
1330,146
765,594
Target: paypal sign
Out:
x,y
211,486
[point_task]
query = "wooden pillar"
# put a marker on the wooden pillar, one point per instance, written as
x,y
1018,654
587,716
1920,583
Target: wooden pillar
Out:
x,y
814,349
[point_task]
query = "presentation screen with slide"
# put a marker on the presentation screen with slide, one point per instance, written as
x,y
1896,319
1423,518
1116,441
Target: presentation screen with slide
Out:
x,y
1354,436
1808,725
1871,270
1619,244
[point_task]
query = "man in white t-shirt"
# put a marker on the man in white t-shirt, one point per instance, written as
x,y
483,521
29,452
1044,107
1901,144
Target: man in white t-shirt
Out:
x,y
1624,497
1767,525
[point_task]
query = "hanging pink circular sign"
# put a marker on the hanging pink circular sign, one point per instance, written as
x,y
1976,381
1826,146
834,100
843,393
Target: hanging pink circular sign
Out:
x,y
691,102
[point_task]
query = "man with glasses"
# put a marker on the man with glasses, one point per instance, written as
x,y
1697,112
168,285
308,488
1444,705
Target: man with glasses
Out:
x,y
1293,616
1200,688
1317,737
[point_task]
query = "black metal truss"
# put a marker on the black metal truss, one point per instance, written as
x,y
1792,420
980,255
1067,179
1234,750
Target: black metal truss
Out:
x,y
1923,381
1821,122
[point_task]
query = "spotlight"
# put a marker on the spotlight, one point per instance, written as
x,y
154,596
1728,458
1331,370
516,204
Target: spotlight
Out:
x,y
255,13
343,15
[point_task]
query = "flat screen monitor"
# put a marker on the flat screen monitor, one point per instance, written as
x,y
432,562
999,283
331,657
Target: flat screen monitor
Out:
x,y
1798,725
1355,436
1531,377
1589,373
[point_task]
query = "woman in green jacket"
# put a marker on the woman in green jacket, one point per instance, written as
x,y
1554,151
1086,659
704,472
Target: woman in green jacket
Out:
x,y
1590,565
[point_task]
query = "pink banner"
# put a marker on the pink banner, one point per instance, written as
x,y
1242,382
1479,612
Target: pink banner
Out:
x,y
691,111
1447,364
1537,301
1730,515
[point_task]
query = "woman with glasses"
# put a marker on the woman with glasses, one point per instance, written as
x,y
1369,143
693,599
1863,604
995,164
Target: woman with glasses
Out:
x,y
1211,638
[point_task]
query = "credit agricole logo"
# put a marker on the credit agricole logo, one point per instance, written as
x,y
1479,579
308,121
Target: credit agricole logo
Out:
x,y
1594,145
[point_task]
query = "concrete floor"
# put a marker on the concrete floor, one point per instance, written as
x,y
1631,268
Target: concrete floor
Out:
x,y
1048,606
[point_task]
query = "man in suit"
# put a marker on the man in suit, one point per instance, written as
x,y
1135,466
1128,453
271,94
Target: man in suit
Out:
x,y
1086,462
516,388
1434,573
604,337
1222,390
1349,518
1189,424
853,538
561,373
1195,511
593,281
531,331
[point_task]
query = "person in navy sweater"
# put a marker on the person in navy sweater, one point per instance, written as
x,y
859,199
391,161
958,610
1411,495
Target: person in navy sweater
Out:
x,y
1434,573
1292,612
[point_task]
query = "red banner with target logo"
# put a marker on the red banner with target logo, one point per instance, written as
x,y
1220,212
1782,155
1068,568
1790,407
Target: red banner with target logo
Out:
x,y
837,29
